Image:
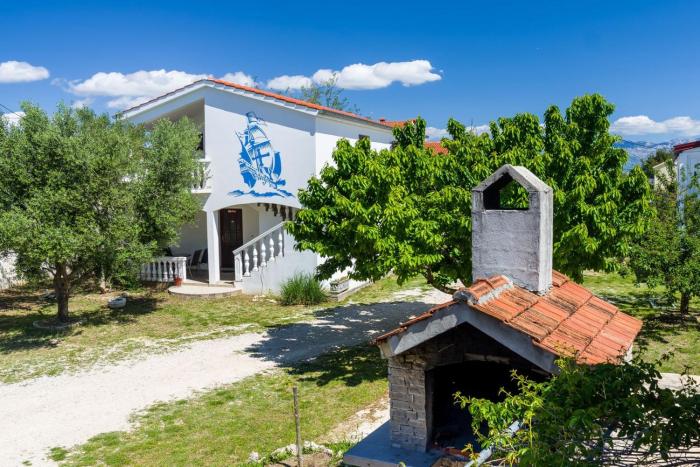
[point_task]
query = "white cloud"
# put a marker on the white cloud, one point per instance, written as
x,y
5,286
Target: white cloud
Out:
x,y
131,89
127,102
643,125
239,77
479,129
12,118
435,134
80,103
362,76
284,82
138,84
18,72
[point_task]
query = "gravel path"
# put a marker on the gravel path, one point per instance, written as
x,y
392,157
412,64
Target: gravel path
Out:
x,y
66,410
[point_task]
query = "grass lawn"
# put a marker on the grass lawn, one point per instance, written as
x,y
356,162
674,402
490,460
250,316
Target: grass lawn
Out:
x,y
224,426
663,331
152,321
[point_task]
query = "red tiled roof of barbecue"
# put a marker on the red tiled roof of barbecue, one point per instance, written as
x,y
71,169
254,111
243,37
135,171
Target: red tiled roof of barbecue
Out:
x,y
435,146
678,148
281,97
567,321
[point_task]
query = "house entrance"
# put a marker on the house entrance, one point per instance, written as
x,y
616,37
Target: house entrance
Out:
x,y
231,231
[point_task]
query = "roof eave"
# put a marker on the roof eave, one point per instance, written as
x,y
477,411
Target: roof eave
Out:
x,y
241,90
355,119
450,317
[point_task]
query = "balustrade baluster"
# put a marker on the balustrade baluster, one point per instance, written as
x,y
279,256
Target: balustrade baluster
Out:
x,y
263,254
271,242
246,272
255,256
237,267
280,243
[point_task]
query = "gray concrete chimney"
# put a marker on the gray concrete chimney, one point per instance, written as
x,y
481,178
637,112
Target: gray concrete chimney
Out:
x,y
514,242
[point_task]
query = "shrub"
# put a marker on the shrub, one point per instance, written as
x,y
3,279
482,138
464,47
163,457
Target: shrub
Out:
x,y
302,289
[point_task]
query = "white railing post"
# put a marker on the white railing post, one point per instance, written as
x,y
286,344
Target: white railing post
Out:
x,y
263,254
271,242
181,267
246,272
237,267
255,257
280,243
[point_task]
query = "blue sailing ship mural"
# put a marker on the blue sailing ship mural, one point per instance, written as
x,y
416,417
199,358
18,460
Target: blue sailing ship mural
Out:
x,y
260,164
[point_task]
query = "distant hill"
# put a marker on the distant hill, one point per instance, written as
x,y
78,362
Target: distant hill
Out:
x,y
639,150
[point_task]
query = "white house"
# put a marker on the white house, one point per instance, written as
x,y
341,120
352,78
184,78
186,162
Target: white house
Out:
x,y
259,149
687,159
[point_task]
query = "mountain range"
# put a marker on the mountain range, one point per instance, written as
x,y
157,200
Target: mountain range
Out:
x,y
637,151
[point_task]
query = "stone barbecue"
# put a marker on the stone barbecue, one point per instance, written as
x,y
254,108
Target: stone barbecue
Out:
x,y
517,314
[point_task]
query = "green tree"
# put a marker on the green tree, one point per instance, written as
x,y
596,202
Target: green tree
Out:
x,y
327,94
85,197
668,253
582,416
661,155
407,210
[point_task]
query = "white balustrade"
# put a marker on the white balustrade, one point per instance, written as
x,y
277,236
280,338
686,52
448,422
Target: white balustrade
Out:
x,y
202,177
164,269
263,250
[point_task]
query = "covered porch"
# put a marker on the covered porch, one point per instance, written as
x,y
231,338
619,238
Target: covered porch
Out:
x,y
222,247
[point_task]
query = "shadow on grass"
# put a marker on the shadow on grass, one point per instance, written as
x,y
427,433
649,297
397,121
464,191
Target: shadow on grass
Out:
x,y
350,365
17,330
341,336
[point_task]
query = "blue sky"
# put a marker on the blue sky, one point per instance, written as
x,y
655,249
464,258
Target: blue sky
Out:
x,y
474,61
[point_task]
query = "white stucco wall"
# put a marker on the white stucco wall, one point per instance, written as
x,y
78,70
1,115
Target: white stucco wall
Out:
x,y
291,133
330,130
687,164
304,138
192,236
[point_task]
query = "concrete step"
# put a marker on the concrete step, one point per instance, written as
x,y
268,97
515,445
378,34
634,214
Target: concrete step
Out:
x,y
204,291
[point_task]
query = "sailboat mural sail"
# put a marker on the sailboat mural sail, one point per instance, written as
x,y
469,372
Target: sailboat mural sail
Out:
x,y
258,161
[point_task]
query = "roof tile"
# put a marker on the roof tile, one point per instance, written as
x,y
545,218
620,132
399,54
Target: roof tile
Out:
x,y
567,321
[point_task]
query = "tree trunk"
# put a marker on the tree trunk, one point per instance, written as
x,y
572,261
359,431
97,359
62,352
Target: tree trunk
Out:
x,y
430,279
685,305
61,287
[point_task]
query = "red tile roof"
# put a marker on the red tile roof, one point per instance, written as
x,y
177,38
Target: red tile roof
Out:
x,y
436,146
395,123
261,92
567,321
678,148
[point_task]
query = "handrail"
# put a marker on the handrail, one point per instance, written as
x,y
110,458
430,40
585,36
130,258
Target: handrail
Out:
x,y
258,238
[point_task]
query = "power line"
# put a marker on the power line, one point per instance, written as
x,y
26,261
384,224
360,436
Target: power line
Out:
x,y
10,110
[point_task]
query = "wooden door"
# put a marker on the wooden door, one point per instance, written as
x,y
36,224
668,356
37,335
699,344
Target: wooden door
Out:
x,y
231,230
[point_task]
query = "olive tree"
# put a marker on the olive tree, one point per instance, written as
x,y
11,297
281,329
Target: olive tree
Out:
x,y
84,196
